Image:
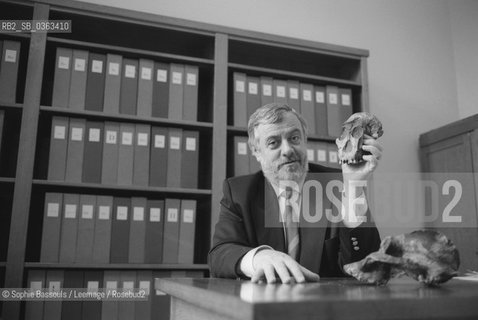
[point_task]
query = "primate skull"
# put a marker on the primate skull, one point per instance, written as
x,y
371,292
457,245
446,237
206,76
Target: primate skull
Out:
x,y
425,255
351,139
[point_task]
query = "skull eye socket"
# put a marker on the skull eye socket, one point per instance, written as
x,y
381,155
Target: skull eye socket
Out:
x,y
357,132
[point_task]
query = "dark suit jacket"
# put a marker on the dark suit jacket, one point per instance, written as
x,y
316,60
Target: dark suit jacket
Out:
x,y
248,207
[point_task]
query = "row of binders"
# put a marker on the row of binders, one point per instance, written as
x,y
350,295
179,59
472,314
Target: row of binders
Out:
x,y
116,85
104,229
322,153
325,108
10,55
122,154
156,306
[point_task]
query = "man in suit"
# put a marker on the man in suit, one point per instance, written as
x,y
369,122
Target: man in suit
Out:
x,y
263,234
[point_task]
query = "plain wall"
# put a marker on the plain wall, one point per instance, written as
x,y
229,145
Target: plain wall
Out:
x,y
423,65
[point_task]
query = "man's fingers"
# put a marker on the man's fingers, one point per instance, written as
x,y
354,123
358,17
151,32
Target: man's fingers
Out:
x,y
283,272
257,276
373,150
295,271
309,275
270,273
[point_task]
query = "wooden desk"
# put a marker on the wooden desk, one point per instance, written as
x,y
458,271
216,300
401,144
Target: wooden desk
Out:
x,y
328,299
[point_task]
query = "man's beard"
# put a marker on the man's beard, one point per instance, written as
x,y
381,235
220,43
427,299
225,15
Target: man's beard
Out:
x,y
279,170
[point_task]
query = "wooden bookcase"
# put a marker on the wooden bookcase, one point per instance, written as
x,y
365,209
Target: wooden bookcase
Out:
x,y
217,51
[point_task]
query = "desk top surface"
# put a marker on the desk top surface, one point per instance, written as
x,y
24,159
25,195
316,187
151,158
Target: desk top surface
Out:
x,y
337,298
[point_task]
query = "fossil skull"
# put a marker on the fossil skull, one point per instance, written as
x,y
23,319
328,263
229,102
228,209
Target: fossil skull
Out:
x,y
351,139
425,255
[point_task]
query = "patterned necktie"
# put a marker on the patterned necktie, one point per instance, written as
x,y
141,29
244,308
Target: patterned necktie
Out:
x,y
291,226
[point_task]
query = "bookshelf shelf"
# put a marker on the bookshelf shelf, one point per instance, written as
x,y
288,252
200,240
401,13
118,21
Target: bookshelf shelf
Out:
x,y
12,106
243,131
7,180
115,266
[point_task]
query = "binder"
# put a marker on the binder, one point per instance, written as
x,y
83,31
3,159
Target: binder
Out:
x,y
333,159
161,302
322,153
76,146
142,309
176,92
50,243
102,237
93,281
280,91
109,163
253,97
307,106
311,151
36,281
58,148
78,80
92,156
69,228
109,308
154,232
72,310
95,85
126,154
137,230
346,103
53,283
187,231
266,90
120,230
190,97
294,95
320,111
334,124
141,155
129,87
161,90
145,88
126,308
190,159
86,229
112,83
241,156
174,157
62,77
240,100
159,157
171,230
9,71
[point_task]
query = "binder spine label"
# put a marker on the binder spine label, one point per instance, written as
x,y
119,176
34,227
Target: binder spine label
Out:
x,y
159,141
77,134
10,56
122,213
188,216
94,135
59,132
97,66
64,62
113,69
111,137
190,144
177,78
162,76
70,211
53,210
240,86
319,97
173,215
104,213
191,79
146,73
138,214
130,71
87,212
143,139
80,64
175,143
155,215
253,88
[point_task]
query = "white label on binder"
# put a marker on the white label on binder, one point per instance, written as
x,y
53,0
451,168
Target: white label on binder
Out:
x,y
175,143
159,141
145,285
267,90
94,135
319,97
280,91
188,216
130,71
307,95
59,132
128,285
173,215
162,75
36,285
253,88
191,79
240,86
138,213
10,55
127,138
191,144
155,214
87,211
64,62
322,155
122,213
111,285
76,134
92,286
114,69
80,64
333,98
54,286
143,139
146,73
177,77
310,154
104,213
70,211
333,156
294,93
111,137
53,210
241,148
346,99
97,66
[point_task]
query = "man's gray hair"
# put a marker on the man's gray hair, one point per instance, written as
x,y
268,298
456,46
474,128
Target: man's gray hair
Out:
x,y
269,114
